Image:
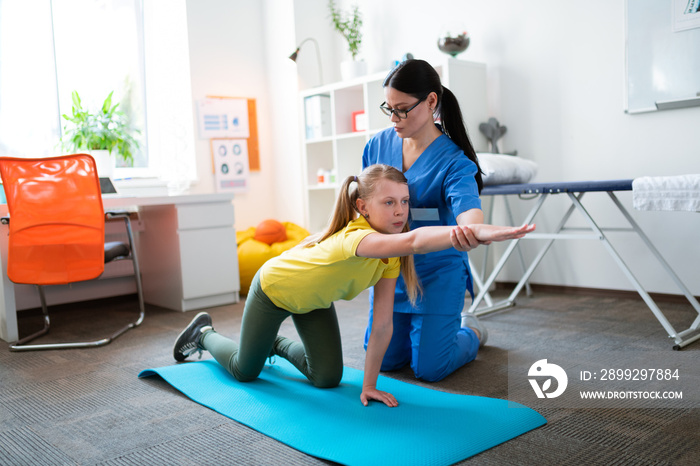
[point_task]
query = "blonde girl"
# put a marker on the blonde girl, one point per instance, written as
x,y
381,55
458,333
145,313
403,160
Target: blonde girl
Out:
x,y
351,255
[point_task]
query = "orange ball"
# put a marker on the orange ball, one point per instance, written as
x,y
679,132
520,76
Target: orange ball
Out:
x,y
270,231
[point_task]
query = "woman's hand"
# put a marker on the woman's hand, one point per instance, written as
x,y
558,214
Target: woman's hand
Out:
x,y
463,239
371,393
486,234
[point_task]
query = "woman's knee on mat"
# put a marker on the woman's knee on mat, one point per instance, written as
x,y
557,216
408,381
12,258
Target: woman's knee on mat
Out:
x,y
432,368
395,364
431,373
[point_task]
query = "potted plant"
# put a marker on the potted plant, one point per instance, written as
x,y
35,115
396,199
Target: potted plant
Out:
x,y
105,131
349,25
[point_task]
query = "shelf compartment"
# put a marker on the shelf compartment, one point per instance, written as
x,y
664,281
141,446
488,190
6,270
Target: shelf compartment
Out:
x,y
319,156
321,202
375,96
347,101
349,157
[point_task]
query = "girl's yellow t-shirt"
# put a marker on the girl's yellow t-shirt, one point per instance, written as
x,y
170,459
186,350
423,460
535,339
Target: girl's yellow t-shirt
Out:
x,y
303,279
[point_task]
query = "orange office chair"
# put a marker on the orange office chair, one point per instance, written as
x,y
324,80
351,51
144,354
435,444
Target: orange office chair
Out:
x,y
57,231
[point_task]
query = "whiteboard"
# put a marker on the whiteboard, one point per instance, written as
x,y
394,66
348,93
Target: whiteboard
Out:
x,y
663,55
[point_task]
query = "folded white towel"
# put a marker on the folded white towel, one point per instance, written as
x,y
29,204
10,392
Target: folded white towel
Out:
x,y
667,193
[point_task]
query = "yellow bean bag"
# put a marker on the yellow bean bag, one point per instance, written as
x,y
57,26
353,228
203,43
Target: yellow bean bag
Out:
x,y
252,254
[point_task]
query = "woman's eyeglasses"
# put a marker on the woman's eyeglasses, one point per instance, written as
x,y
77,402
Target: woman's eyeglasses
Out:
x,y
402,114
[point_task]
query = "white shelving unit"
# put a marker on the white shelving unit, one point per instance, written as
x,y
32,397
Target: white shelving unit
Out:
x,y
339,149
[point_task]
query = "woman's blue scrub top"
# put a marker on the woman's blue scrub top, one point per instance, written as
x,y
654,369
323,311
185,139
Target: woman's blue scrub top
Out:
x,y
441,186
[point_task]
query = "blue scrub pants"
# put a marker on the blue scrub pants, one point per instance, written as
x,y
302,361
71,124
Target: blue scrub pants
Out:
x,y
446,345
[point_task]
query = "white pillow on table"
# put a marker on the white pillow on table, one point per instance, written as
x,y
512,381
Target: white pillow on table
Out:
x,y
505,169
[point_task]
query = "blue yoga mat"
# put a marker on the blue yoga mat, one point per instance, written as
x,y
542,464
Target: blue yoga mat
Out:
x,y
428,426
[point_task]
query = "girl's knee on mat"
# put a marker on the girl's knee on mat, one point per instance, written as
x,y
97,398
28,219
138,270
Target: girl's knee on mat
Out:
x,y
326,380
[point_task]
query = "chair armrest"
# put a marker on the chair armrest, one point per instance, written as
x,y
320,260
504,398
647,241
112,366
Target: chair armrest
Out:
x,y
124,214
116,214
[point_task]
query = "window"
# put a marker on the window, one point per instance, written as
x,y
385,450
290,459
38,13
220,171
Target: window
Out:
x,y
136,48
99,49
29,119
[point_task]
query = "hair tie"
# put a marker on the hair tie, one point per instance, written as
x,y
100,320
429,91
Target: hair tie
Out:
x,y
355,179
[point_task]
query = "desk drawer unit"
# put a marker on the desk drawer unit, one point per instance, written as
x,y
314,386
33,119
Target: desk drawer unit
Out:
x,y
190,255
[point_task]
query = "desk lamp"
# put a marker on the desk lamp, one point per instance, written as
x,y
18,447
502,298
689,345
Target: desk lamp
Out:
x,y
293,57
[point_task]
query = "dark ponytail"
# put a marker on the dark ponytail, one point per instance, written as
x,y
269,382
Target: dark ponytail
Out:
x,y
453,126
418,78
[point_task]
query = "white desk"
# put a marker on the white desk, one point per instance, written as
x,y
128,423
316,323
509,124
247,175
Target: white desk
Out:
x,y
187,253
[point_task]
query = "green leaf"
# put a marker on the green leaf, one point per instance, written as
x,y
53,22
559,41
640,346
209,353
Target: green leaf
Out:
x,y
106,130
350,28
107,103
76,101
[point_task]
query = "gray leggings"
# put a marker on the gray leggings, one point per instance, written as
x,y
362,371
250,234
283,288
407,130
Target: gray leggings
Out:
x,y
319,356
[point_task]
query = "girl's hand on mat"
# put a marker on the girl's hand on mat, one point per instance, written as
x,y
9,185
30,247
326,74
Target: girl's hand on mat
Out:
x,y
371,393
486,234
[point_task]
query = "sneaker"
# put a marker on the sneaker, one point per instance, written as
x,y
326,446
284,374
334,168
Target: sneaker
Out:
x,y
470,320
187,342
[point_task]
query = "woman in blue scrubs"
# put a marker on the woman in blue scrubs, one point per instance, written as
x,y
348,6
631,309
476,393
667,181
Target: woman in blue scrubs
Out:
x,y
444,183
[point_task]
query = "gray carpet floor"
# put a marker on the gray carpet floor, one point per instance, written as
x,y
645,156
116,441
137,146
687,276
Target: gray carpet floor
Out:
x,y
87,407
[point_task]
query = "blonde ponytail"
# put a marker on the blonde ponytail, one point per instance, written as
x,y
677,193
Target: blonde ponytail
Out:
x,y
343,213
410,277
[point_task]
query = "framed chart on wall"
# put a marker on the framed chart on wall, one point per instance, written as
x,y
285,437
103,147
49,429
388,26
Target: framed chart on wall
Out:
x,y
686,15
231,167
231,117
662,55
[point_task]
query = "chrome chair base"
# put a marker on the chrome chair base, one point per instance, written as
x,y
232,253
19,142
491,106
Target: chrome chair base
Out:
x,y
20,344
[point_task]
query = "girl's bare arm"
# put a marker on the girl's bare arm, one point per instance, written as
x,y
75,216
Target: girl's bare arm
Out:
x,y
382,329
430,239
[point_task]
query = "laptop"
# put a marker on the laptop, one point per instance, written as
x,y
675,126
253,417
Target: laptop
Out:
x,y
107,187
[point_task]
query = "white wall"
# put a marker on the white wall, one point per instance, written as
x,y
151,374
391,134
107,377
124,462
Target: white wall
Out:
x,y
556,74
312,19
285,127
228,58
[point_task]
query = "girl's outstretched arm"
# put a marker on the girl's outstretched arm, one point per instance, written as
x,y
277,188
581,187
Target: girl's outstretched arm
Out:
x,y
430,239
382,329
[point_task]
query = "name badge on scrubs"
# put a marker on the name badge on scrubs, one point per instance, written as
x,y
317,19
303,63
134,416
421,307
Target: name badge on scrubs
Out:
x,y
425,215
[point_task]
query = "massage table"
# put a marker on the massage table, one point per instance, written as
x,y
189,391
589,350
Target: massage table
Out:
x,y
575,192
